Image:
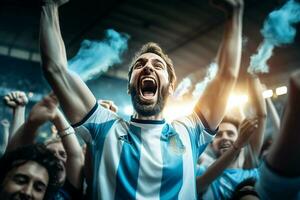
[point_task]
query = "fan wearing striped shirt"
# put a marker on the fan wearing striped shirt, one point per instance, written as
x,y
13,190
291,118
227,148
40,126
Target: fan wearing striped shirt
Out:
x,y
145,157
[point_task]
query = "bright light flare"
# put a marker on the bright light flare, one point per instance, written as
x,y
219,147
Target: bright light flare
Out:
x,y
237,100
281,90
267,93
30,94
177,110
128,110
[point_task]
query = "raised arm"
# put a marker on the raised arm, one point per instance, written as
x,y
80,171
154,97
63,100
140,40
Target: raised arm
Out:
x,y
260,113
273,114
75,158
280,174
212,104
284,155
41,112
246,130
5,125
74,96
16,100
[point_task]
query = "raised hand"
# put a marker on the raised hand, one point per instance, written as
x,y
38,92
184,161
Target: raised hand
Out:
x,y
108,104
246,130
15,99
227,6
45,110
55,2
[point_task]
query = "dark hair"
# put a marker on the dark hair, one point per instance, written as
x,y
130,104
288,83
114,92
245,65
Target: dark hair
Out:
x,y
37,153
152,47
240,192
231,120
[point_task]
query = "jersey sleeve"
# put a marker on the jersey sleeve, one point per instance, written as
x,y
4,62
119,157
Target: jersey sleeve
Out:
x,y
199,133
96,123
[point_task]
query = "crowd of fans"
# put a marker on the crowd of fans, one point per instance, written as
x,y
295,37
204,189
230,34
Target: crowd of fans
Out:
x,y
210,154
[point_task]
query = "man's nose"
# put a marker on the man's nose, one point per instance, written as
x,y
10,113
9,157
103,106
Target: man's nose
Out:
x,y
56,154
225,136
27,192
148,69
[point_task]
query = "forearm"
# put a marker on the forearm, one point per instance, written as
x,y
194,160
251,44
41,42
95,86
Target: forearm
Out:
x,y
229,54
4,140
75,159
70,142
51,44
216,169
273,114
25,135
257,100
212,103
284,155
260,112
18,119
74,96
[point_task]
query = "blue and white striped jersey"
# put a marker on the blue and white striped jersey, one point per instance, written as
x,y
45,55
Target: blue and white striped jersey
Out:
x,y
224,186
143,159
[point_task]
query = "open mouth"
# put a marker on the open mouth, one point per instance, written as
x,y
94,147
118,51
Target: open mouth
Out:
x,y
225,145
148,88
60,166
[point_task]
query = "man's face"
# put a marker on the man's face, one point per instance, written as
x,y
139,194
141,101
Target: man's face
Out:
x,y
149,84
27,181
59,151
224,139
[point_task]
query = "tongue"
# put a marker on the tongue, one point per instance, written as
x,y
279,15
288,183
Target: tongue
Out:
x,y
148,94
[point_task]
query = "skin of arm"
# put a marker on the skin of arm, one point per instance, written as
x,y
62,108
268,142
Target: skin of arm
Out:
x,y
16,100
260,113
284,155
41,112
212,104
273,114
5,125
74,96
247,129
75,158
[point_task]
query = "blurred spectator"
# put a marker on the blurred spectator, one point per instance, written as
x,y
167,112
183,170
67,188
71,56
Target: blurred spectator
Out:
x,y
4,137
66,148
17,100
280,173
28,172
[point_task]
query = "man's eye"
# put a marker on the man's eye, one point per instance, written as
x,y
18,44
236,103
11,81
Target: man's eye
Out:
x,y
138,65
159,66
218,135
20,179
63,154
230,134
39,187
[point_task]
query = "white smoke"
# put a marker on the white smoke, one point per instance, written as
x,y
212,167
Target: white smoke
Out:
x,y
96,57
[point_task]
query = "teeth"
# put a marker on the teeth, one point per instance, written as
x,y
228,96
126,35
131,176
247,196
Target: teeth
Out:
x,y
148,87
148,79
225,146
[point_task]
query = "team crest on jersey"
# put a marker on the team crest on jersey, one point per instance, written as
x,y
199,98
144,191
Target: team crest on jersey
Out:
x,y
125,138
175,144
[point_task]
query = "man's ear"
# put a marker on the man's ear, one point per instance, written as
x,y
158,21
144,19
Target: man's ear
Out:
x,y
128,90
171,89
